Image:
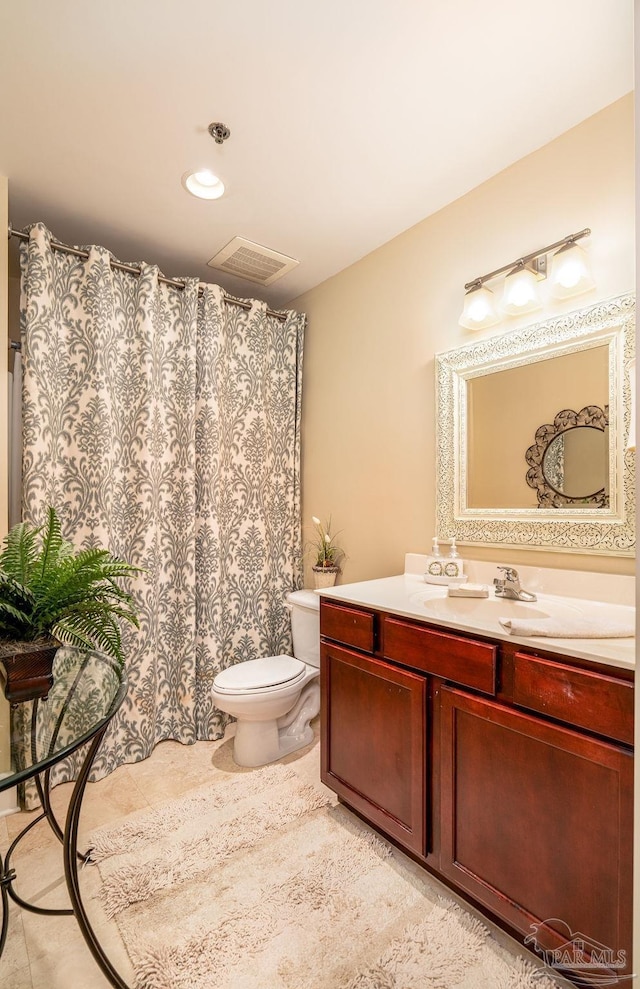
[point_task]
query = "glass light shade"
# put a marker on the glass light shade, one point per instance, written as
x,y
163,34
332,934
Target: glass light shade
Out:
x,y
570,272
631,438
479,309
521,293
203,184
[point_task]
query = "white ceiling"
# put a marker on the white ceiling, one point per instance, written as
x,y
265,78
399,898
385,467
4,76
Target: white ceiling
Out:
x,y
351,120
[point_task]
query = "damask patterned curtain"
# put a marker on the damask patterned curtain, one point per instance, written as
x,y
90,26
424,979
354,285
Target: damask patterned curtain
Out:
x,y
164,424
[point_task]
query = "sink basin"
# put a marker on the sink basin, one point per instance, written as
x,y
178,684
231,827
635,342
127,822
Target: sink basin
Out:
x,y
486,613
487,609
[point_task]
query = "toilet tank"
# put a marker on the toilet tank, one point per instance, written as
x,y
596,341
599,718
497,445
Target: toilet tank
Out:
x,y
305,625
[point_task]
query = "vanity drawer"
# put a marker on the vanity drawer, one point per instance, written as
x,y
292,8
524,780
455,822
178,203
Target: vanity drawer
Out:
x,y
348,625
594,701
463,661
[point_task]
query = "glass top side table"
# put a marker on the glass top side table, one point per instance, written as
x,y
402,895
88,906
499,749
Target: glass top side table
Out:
x,y
88,689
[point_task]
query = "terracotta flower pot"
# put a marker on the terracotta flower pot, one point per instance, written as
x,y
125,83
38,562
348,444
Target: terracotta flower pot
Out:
x,y
26,669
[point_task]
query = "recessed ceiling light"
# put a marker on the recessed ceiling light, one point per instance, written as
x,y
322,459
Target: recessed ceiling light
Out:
x,y
203,184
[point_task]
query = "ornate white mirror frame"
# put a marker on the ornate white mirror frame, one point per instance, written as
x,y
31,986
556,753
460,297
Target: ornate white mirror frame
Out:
x,y
610,530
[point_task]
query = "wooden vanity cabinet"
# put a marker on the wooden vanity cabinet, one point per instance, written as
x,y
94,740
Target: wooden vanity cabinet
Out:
x,y
374,725
508,772
373,753
536,822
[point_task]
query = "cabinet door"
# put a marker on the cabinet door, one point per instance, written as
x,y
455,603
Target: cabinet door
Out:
x,y
537,825
373,741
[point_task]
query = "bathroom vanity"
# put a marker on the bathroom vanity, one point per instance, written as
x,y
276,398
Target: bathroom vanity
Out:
x,y
502,765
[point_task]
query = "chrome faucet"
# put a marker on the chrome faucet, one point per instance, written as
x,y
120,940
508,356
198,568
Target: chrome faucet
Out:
x,y
508,586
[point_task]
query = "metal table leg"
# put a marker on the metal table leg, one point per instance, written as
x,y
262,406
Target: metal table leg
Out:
x,y
71,856
65,731
9,876
6,877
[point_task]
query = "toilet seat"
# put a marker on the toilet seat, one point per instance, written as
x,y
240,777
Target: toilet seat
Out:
x,y
268,673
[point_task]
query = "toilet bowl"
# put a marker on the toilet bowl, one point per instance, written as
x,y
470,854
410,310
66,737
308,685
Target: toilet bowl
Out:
x,y
275,698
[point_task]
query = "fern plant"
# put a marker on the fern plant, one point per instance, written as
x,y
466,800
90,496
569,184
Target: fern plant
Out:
x,y
47,590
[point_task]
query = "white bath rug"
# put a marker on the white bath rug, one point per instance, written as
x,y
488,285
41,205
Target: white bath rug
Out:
x,y
260,883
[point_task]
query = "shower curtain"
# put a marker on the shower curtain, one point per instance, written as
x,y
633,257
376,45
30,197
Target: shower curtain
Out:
x,y
164,424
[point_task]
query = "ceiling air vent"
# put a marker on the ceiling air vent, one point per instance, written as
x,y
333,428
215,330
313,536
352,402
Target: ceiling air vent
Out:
x,y
247,260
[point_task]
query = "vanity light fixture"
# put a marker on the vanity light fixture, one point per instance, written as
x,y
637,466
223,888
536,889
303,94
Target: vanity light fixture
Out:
x,y
479,308
521,293
570,275
203,184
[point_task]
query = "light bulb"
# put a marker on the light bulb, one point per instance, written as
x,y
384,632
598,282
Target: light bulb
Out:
x,y
479,309
570,274
203,184
521,292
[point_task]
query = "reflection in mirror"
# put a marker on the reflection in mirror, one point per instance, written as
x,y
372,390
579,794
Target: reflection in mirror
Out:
x,y
569,461
506,407
575,464
493,395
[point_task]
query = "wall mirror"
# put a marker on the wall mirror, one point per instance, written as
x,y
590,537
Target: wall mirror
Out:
x,y
532,427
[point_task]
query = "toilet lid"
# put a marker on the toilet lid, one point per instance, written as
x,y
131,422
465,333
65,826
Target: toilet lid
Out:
x,y
256,674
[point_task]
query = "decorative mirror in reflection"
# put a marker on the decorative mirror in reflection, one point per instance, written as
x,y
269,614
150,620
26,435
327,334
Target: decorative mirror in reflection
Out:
x,y
554,394
569,461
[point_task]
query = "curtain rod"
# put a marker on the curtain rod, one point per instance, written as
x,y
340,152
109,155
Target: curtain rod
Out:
x,y
58,246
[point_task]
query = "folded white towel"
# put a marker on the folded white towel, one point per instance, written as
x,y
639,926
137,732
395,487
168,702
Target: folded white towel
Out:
x,y
568,628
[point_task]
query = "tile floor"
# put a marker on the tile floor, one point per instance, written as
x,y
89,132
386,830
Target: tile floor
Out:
x,y
49,952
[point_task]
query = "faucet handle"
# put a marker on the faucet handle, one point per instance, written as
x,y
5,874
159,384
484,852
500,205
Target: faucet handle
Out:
x,y
510,573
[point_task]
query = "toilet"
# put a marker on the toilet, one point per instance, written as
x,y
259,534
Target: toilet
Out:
x,y
276,697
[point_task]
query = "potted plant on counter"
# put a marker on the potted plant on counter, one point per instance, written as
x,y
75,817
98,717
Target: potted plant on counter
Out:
x,y
327,555
51,595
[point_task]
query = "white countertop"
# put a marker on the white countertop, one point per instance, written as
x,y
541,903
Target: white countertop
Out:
x,y
409,595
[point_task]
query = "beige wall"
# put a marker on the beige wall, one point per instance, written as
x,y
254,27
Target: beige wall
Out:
x,y
368,432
